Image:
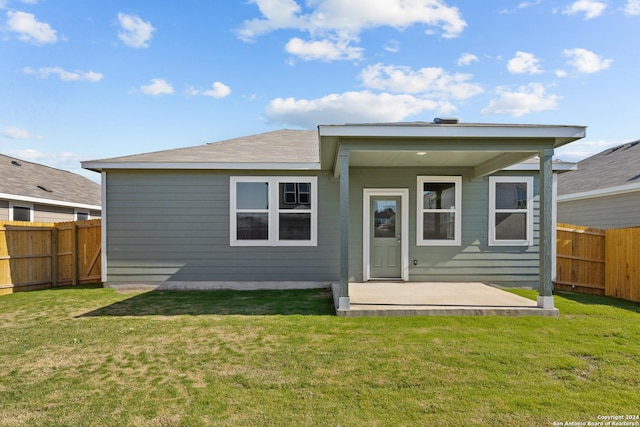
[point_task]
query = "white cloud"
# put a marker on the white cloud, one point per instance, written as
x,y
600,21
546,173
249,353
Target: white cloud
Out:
x,y
13,132
135,32
30,29
632,8
527,99
324,50
467,59
334,24
218,90
590,8
77,75
350,107
392,46
157,87
431,81
585,61
3,4
561,73
524,63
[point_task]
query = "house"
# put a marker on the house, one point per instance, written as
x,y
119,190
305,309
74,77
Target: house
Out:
x,y
604,192
34,192
308,208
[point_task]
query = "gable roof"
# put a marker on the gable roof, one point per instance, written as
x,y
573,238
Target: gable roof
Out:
x,y
33,182
280,149
615,168
482,144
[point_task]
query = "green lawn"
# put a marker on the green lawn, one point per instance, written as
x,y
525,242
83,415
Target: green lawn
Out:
x,y
93,357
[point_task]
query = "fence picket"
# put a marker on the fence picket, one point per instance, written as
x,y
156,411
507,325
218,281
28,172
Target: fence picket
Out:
x,y
43,255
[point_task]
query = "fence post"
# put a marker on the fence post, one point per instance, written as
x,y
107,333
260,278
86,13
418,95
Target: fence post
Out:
x,y
75,274
54,257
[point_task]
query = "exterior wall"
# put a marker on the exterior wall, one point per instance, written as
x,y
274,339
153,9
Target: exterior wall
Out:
x,y
4,210
620,210
474,260
174,226
44,213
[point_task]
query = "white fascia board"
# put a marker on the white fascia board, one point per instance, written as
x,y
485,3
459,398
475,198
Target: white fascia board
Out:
x,y
98,166
456,131
602,192
51,202
530,166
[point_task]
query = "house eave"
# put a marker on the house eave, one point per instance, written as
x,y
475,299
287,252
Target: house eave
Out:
x,y
561,134
602,192
50,202
527,166
100,166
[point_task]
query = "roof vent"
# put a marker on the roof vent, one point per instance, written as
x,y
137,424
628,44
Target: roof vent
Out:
x,y
16,163
43,188
445,121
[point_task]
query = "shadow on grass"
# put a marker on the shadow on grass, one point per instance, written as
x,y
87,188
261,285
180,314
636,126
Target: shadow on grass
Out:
x,y
194,303
600,300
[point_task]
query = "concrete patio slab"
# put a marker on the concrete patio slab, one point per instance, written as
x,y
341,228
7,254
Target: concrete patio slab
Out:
x,y
435,299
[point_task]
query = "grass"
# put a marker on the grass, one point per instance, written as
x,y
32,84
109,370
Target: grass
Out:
x,y
93,357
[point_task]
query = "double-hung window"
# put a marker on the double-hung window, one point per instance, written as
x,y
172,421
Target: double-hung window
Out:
x,y
273,211
439,216
510,211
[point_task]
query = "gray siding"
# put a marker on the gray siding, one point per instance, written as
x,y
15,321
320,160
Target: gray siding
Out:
x,y
44,213
174,226
4,210
474,260
620,210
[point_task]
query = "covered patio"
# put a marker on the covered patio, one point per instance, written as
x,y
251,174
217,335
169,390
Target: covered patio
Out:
x,y
435,299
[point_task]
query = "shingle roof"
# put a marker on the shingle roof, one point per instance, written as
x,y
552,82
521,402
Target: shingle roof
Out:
x,y
23,178
280,146
611,168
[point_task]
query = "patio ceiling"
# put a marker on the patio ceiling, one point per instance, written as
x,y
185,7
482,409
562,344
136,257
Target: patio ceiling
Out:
x,y
484,148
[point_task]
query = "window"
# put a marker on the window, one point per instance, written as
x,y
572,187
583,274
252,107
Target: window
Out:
x,y
510,211
21,213
439,219
273,211
82,215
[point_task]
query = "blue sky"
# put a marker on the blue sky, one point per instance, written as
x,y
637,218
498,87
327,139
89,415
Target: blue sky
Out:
x,y
82,80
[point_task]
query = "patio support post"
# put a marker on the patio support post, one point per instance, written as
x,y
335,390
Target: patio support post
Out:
x,y
343,302
545,295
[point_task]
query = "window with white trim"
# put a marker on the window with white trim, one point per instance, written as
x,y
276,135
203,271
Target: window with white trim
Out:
x,y
510,211
273,211
81,215
21,212
439,216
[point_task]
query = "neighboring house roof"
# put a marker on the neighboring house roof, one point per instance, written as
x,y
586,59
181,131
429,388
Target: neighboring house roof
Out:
x,y
612,171
259,151
32,182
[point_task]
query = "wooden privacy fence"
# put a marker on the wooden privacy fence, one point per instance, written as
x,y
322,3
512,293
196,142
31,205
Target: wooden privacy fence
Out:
x,y
602,262
43,255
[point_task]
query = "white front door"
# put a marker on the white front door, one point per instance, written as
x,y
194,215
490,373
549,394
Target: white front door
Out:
x,y
385,232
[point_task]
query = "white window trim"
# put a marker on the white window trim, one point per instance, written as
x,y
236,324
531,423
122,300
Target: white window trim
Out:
x,y
493,180
21,205
273,211
457,181
81,211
